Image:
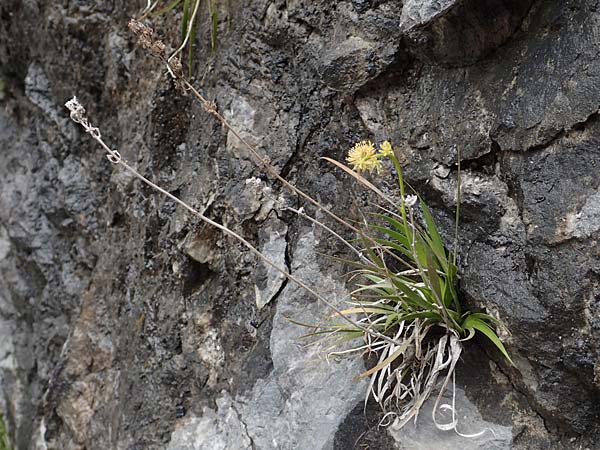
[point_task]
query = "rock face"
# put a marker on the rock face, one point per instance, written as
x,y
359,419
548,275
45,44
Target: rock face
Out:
x,y
126,323
458,33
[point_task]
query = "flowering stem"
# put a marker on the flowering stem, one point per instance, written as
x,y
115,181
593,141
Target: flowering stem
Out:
x,y
401,185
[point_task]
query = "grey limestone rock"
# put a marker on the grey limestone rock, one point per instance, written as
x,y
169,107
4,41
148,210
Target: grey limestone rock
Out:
x,y
459,32
472,431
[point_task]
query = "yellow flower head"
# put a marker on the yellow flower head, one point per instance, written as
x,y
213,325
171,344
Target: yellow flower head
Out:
x,y
363,157
386,149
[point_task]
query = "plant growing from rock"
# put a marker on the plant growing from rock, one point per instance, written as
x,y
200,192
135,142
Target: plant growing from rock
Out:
x,y
410,297
406,310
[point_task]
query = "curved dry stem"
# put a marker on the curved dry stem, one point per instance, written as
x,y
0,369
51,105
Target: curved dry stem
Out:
x,y
300,212
78,116
185,39
149,8
362,180
210,107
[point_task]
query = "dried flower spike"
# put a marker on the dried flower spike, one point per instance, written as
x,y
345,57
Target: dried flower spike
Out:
x,y
78,116
77,110
146,39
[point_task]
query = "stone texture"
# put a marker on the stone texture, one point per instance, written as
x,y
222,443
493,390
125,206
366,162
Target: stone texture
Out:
x,y
459,32
304,399
220,430
273,244
425,436
125,323
285,409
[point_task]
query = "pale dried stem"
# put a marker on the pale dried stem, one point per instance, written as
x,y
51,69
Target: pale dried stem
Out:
x,y
186,38
210,107
148,9
77,115
174,68
301,213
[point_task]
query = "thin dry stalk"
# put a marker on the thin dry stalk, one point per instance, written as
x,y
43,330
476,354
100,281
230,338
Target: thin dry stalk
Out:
x,y
174,68
188,33
300,212
78,116
150,5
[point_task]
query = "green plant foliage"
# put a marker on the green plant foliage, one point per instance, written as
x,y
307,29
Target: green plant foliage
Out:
x,y
406,289
4,445
167,8
188,33
214,23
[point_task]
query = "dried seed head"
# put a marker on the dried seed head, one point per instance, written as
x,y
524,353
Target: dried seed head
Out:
x,y
176,67
138,27
158,48
78,116
176,70
146,39
77,111
142,31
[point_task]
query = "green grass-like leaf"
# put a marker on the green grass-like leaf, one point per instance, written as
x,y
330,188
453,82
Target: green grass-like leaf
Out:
x,y
214,22
474,322
435,240
4,444
192,39
167,8
186,18
187,8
